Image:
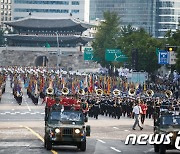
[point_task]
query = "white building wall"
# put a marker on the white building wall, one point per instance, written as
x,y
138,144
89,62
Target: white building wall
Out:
x,y
35,9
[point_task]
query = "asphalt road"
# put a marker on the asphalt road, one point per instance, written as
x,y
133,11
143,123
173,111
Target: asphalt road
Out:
x,y
22,131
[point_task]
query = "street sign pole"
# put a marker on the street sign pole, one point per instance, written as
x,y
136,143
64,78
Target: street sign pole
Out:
x,y
58,52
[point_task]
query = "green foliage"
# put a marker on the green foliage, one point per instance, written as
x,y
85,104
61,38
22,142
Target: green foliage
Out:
x,y
173,39
146,46
1,37
106,37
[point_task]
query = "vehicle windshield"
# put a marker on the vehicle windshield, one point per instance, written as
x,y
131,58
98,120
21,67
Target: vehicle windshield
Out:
x,y
170,120
66,117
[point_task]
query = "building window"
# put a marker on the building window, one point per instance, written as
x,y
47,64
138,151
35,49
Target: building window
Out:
x,y
74,11
41,2
42,10
75,3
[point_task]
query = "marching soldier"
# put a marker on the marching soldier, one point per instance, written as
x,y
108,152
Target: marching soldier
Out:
x,y
96,109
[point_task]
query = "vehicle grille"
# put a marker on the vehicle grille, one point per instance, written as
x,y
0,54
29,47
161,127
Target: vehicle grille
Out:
x,y
67,131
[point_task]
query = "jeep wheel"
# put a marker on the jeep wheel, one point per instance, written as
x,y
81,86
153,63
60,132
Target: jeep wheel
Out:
x,y
156,148
83,146
162,149
79,146
48,144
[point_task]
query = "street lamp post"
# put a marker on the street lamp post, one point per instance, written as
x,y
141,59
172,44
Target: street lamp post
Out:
x,y
58,51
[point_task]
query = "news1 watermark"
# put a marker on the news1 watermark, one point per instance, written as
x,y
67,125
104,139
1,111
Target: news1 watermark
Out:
x,y
152,139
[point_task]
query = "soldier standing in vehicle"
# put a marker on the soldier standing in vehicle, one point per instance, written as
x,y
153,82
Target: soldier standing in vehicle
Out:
x,y
57,105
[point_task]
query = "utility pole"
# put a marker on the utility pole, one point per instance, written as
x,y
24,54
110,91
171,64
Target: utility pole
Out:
x,y
58,52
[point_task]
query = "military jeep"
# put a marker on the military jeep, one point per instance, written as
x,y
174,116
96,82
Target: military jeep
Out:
x,y
66,128
166,124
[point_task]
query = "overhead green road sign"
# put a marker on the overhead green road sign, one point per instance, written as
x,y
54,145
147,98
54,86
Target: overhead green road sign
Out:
x,y
115,55
88,49
157,51
48,45
88,55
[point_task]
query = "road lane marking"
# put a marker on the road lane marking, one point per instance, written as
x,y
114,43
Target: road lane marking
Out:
x,y
38,136
113,148
27,106
126,130
115,128
13,113
22,113
33,113
101,141
150,150
14,144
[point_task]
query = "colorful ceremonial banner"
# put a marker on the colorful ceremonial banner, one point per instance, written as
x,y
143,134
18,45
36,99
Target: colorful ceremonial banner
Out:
x,y
108,86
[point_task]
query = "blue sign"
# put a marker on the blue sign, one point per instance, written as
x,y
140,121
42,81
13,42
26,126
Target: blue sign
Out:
x,y
163,57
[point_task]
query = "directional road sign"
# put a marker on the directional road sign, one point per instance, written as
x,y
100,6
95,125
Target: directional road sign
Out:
x,y
163,57
88,55
115,55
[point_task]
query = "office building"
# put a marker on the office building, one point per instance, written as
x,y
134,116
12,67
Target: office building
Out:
x,y
155,16
5,13
49,8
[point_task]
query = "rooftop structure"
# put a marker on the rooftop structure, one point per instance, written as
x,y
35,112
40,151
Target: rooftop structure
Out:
x,y
39,32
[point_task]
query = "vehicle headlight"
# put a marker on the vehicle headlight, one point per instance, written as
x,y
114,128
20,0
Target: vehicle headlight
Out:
x,y
57,130
77,131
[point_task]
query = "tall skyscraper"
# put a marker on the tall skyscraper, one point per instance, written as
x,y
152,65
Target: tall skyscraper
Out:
x,y
167,16
155,16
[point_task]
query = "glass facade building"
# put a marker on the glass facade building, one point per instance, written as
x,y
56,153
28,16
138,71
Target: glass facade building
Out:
x,y
167,17
137,13
155,16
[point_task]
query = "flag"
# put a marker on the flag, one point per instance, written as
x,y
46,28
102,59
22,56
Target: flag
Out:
x,y
144,88
108,86
91,84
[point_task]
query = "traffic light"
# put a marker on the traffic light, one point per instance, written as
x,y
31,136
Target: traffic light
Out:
x,y
135,59
171,48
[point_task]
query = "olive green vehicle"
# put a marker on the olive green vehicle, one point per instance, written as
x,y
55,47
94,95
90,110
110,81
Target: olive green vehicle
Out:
x,y
66,128
166,124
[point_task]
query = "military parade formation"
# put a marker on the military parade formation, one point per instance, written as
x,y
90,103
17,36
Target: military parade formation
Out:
x,y
94,94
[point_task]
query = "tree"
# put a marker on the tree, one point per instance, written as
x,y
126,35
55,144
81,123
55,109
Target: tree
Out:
x,y
145,45
173,39
106,37
1,37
